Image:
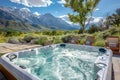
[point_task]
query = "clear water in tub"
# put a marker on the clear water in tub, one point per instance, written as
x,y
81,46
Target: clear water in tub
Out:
x,y
59,63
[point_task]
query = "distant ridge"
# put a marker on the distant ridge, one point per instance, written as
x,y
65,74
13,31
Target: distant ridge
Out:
x,y
17,19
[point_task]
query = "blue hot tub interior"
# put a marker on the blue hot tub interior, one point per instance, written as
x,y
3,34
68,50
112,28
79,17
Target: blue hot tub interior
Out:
x,y
61,62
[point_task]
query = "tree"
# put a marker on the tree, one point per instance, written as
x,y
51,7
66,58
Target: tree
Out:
x,y
7,24
82,10
118,11
114,19
93,29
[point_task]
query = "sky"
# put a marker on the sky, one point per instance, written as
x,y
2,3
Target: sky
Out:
x,y
56,7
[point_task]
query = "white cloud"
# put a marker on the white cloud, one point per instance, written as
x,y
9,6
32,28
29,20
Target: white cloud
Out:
x,y
25,9
97,9
33,3
93,20
36,13
96,19
66,19
63,16
61,1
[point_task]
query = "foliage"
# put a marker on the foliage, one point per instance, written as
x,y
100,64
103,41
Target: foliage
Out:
x,y
60,36
118,11
75,31
82,41
10,32
93,29
57,32
105,34
66,39
3,38
54,32
114,19
13,40
47,32
57,40
29,37
80,30
100,43
42,40
1,54
114,30
67,32
82,10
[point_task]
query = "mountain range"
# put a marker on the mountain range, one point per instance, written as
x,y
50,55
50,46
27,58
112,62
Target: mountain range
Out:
x,y
24,20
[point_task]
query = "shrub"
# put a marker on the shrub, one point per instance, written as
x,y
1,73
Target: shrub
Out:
x,y
57,40
1,54
3,38
105,35
67,32
29,37
59,32
84,35
82,41
42,40
80,31
34,41
66,39
100,43
75,31
13,40
93,29
22,41
47,32
113,30
12,33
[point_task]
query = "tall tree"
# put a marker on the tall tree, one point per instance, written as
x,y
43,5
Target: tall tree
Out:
x,y
82,11
118,11
113,19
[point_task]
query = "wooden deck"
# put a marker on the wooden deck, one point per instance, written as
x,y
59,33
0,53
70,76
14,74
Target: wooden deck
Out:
x,y
7,47
5,75
116,67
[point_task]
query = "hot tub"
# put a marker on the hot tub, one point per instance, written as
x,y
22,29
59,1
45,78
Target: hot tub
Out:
x,y
60,62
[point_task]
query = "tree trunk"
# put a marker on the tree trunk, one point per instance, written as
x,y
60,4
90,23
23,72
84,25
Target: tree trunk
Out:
x,y
81,30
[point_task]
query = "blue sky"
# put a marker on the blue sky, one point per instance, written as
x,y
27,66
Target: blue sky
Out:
x,y
56,8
